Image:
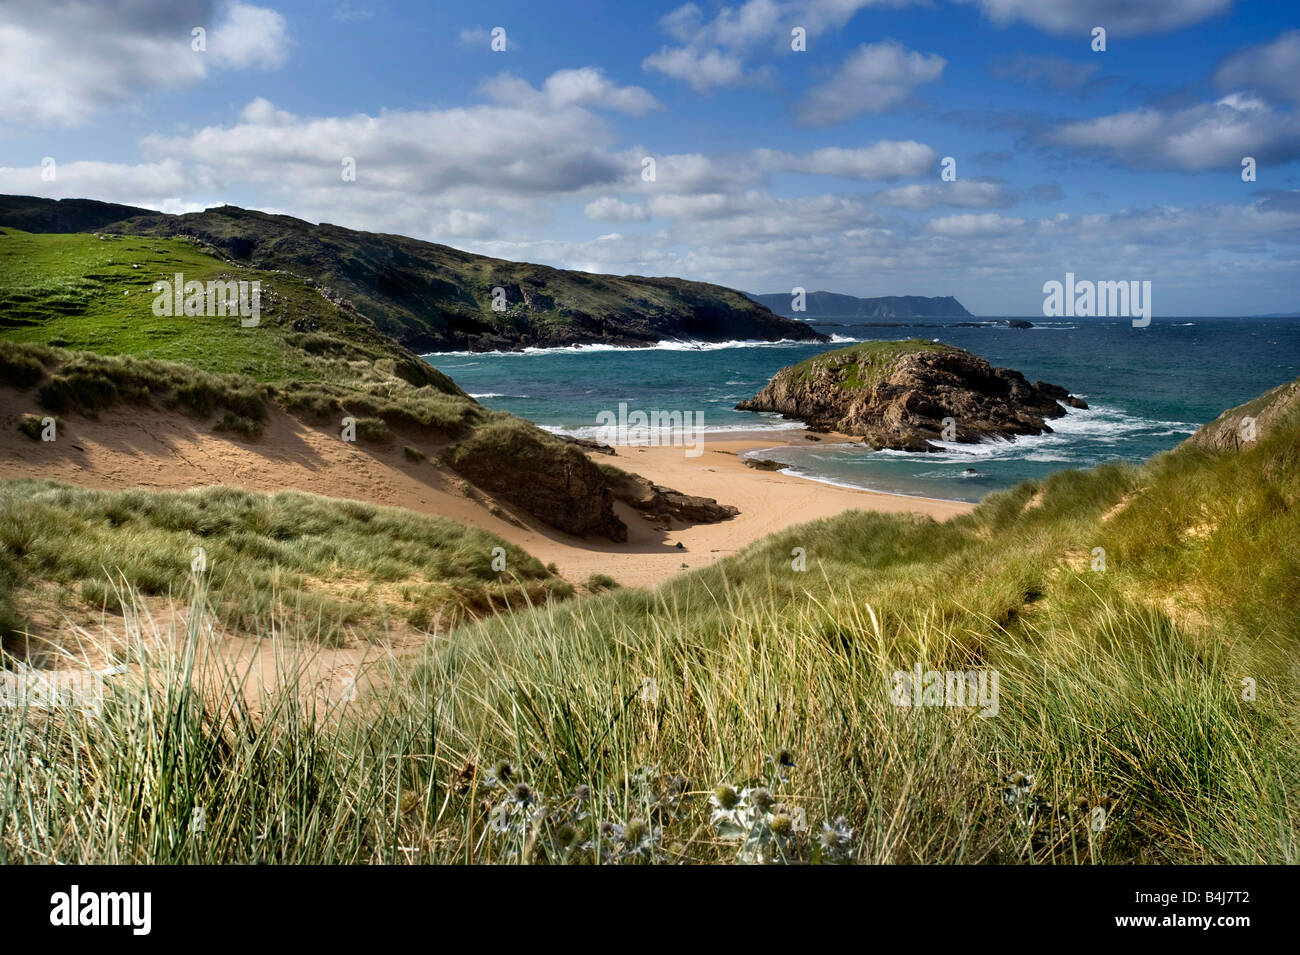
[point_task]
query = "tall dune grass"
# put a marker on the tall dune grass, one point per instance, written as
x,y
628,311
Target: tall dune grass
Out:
x,y
744,713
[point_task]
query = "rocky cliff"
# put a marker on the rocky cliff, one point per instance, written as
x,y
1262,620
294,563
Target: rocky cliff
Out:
x,y
897,395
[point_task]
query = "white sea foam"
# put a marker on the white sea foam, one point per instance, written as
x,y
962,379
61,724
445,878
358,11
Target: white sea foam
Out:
x,y
658,346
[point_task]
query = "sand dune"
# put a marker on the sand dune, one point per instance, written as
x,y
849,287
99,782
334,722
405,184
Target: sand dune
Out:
x,y
147,448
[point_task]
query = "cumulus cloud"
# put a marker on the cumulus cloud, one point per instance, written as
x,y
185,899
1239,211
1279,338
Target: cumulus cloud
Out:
x,y
168,186
886,159
971,224
62,61
717,52
249,37
1271,68
874,78
497,150
464,224
970,193
994,263
1119,17
587,87
609,209
1205,136
702,69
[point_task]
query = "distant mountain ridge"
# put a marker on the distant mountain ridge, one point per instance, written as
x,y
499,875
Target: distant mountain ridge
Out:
x,y
431,297
835,305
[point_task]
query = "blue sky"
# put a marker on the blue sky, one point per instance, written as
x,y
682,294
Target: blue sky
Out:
x,y
774,168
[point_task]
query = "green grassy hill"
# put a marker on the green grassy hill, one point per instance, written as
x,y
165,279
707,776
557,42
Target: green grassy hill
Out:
x,y
432,297
95,293
78,328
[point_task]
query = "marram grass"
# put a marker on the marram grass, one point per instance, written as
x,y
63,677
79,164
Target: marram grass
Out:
x,y
600,735
744,712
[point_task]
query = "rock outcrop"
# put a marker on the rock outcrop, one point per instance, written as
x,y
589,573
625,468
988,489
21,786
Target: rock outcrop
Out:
x,y
897,395
662,504
1239,427
550,479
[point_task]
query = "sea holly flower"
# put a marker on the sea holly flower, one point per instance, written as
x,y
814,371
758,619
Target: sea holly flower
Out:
x,y
730,813
640,840
1018,788
836,840
501,774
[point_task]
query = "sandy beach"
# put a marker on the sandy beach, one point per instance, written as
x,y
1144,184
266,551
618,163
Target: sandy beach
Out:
x,y
769,501
164,451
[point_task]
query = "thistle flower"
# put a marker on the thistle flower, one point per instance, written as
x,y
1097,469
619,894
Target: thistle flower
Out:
x,y
1018,787
836,839
565,835
501,774
725,798
732,817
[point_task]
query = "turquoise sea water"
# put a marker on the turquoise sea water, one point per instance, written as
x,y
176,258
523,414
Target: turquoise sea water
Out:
x,y
1148,388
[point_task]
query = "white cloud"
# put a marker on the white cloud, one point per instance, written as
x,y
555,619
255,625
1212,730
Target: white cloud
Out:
x,y
586,87
971,193
1206,136
886,159
463,224
496,150
249,37
1119,17
702,69
971,224
63,61
716,52
609,209
1272,68
874,78
168,186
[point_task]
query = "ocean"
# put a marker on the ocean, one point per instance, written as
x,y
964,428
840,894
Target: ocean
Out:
x,y
1147,388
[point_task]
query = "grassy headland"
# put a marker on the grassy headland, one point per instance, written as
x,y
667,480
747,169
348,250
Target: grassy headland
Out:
x,y
432,297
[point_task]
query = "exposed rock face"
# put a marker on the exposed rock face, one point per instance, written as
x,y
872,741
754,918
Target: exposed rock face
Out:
x,y
1231,431
551,480
896,395
587,444
662,504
